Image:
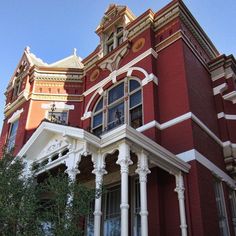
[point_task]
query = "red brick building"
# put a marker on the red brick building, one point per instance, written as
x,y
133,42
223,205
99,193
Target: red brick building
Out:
x,y
150,114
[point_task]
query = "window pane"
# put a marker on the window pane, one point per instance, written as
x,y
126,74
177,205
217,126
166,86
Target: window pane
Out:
x,y
99,105
110,47
116,93
133,84
116,116
112,214
97,131
135,99
120,40
12,135
136,117
58,117
97,120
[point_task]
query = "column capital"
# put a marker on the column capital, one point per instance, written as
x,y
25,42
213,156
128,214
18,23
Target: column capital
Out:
x,y
142,166
72,172
124,157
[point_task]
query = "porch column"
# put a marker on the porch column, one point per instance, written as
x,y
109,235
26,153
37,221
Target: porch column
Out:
x,y
180,191
72,170
99,171
124,161
142,171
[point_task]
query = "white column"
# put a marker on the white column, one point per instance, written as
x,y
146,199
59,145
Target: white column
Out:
x,y
180,191
124,161
142,171
72,170
99,171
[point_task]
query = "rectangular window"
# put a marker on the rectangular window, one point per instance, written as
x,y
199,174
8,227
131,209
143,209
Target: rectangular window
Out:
x,y
220,203
12,135
109,47
112,212
136,117
232,198
58,117
116,116
116,93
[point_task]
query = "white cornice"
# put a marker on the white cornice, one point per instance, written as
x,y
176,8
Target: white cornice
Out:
x,y
157,154
15,116
195,155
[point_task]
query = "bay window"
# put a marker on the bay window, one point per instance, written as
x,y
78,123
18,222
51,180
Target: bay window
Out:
x,y
120,104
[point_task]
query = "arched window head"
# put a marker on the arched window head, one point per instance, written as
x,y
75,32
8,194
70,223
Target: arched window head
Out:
x,y
120,104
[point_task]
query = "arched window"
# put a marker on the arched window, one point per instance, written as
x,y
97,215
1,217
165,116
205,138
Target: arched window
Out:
x,y
120,104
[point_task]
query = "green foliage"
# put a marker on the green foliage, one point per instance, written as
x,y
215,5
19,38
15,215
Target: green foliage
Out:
x,y
65,205
57,206
18,201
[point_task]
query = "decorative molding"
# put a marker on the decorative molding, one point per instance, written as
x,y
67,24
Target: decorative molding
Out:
x,y
94,75
138,45
121,70
15,116
58,105
226,116
150,78
58,97
230,96
193,154
86,115
219,89
156,153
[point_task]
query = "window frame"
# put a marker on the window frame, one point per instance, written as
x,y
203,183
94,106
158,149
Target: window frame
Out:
x,y
221,208
11,139
125,99
58,111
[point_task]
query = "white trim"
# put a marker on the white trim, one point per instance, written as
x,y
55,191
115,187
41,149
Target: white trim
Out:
x,y
58,106
86,115
165,125
219,76
193,154
230,97
176,120
206,129
226,116
15,116
219,89
158,154
123,69
179,119
151,77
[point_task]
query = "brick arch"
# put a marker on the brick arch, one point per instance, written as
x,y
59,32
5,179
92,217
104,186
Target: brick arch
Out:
x,y
127,72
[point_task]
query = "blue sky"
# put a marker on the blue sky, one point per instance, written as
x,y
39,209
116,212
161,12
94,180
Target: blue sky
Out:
x,y
52,28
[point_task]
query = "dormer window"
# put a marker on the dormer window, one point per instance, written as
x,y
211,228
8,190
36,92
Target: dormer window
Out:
x,y
119,35
115,39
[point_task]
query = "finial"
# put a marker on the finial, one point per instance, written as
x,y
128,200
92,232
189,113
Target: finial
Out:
x,y
27,49
75,50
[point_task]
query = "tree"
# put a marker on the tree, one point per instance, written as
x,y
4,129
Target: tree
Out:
x,y
18,199
55,206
